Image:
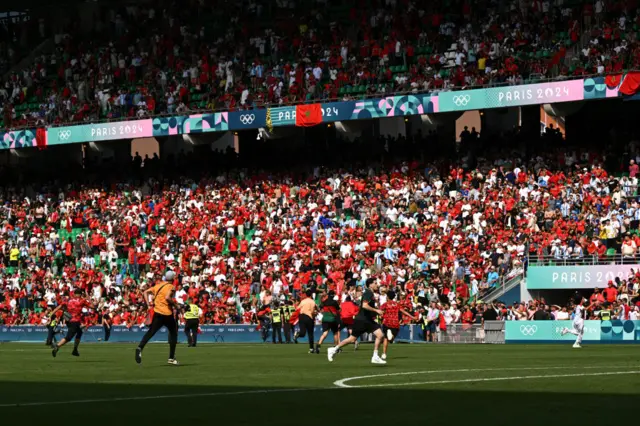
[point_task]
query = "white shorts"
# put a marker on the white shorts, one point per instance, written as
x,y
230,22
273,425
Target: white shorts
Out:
x,y
579,326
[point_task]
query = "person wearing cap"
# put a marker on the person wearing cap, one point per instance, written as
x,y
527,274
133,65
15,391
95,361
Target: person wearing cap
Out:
x,y
161,299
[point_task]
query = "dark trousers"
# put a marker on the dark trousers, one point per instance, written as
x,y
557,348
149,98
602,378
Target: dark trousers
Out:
x,y
277,328
265,324
107,332
287,331
157,323
307,327
51,335
191,330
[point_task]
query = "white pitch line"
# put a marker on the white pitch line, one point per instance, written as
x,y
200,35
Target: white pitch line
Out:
x,y
488,379
336,387
341,383
152,397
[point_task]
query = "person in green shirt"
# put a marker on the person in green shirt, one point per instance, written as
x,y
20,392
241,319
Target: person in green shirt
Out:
x,y
330,318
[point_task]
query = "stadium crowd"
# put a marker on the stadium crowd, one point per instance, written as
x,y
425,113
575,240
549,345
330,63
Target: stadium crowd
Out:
x,y
173,58
440,235
620,300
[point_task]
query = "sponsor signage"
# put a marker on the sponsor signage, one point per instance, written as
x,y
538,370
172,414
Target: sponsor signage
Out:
x,y
391,106
511,96
236,333
283,116
18,139
551,332
575,277
252,119
100,132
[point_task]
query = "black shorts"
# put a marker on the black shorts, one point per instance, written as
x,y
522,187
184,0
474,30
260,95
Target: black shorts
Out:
x,y
361,327
344,325
394,331
74,329
334,326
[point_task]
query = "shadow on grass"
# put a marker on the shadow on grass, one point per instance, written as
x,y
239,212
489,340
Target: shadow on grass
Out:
x,y
121,404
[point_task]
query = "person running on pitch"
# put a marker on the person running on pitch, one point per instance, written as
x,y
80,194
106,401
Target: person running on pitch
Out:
x,y
391,320
364,323
161,299
330,310
74,307
307,310
578,321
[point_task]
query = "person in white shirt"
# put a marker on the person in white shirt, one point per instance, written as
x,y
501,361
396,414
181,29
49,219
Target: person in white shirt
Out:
x,y
578,321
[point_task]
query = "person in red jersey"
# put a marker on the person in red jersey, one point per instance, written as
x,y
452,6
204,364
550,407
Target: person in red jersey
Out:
x,y
74,308
391,320
348,311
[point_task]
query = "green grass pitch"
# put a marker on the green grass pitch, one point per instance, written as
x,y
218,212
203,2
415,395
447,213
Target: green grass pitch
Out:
x,y
283,385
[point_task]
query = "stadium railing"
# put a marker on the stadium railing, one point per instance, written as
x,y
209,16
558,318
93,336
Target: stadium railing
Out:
x,y
610,259
506,283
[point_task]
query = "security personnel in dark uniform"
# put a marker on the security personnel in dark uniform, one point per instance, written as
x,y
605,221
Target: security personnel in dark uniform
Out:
x,y
424,322
276,322
264,317
287,311
52,329
192,322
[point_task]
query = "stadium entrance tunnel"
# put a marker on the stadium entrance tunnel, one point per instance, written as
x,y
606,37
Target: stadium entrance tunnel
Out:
x,y
564,109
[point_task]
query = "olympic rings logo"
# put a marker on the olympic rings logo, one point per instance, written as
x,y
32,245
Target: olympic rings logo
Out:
x,y
461,100
64,135
528,330
247,119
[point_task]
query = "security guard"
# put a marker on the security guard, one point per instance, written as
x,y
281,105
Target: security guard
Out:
x,y
424,322
287,311
52,329
192,322
605,313
276,322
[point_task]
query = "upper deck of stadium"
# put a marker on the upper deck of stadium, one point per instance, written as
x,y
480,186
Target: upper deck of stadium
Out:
x,y
108,61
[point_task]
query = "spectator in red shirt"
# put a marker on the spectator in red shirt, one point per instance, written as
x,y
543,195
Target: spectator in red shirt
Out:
x,y
610,293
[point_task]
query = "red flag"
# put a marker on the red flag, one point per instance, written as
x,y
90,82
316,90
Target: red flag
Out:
x,y
308,115
613,80
631,84
41,138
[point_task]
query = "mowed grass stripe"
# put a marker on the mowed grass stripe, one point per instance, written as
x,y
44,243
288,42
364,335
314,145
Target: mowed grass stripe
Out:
x,y
280,384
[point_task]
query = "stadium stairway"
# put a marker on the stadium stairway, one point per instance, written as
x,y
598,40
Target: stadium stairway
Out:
x,y
505,287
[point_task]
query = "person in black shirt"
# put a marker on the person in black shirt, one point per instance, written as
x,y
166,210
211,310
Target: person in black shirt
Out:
x,y
541,314
365,322
106,325
490,314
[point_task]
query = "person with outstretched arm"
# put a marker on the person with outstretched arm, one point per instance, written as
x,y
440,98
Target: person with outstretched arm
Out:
x,y
160,298
365,323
